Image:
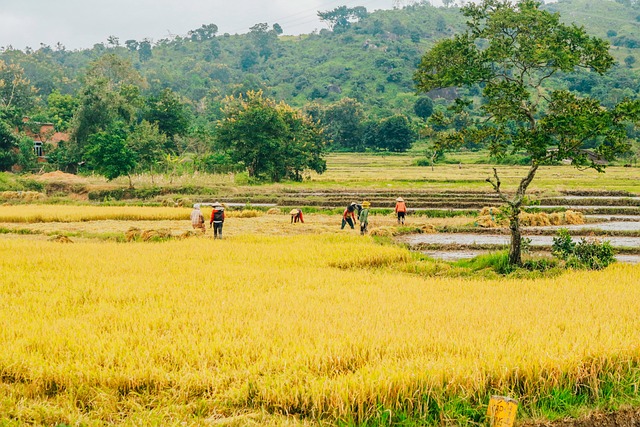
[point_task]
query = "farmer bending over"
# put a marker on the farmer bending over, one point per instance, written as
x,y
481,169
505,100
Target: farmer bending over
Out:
x,y
197,219
296,215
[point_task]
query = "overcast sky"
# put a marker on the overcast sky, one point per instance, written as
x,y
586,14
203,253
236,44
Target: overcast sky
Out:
x,y
79,24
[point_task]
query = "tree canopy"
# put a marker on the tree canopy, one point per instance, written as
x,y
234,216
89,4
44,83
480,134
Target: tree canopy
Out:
x,y
272,139
510,50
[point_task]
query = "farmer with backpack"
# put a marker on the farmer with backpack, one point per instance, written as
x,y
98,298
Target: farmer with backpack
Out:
x,y
217,219
363,217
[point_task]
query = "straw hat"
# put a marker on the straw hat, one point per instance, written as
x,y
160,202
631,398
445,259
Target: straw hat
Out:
x,y
366,204
399,199
196,206
217,205
293,212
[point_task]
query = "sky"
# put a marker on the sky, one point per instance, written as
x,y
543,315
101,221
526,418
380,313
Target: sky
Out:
x,y
79,24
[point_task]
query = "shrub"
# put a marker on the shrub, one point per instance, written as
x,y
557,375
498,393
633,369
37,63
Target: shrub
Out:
x,y
588,253
594,254
563,245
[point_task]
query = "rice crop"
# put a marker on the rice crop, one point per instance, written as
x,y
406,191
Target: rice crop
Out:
x,y
66,213
299,330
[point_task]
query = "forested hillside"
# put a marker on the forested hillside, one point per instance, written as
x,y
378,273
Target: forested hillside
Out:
x,y
372,60
359,70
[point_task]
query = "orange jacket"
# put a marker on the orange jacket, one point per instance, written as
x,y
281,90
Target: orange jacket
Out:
x,y
401,207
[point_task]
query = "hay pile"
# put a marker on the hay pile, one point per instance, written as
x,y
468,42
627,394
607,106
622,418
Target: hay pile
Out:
x,y
59,176
274,211
134,234
155,235
492,217
189,234
60,239
25,196
428,229
383,231
245,213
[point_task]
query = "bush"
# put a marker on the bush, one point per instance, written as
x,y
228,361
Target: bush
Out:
x,y
563,245
593,254
588,253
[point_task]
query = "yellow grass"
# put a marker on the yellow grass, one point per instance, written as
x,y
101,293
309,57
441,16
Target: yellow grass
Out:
x,y
199,330
65,213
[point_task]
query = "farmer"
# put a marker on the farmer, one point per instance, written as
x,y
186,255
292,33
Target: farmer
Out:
x,y
296,215
401,210
363,217
349,216
217,219
197,219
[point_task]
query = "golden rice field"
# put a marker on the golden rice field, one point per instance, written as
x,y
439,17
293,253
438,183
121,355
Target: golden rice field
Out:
x,y
111,221
322,328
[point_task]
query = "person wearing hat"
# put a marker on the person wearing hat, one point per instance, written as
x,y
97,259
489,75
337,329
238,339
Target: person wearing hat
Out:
x,y
217,219
401,210
296,215
197,219
363,217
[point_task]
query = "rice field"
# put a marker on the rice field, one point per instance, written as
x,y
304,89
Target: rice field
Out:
x,y
323,328
285,324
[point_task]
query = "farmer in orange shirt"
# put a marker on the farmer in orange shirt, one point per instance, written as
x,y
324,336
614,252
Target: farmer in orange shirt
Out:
x,y
401,210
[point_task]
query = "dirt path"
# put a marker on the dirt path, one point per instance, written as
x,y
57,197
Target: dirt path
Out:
x,y
622,418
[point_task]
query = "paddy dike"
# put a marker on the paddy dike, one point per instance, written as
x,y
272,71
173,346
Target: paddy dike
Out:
x,y
604,204
622,418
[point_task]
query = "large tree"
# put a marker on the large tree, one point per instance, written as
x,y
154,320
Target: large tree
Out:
x,y
511,50
17,95
271,139
8,145
170,115
110,95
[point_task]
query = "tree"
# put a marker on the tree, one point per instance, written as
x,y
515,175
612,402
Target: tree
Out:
x,y
17,95
147,143
111,93
511,50
169,114
264,39
144,50
423,107
630,60
8,145
343,123
340,18
205,32
395,133
61,109
272,140
109,155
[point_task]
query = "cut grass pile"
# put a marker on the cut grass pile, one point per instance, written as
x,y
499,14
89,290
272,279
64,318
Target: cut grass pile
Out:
x,y
491,217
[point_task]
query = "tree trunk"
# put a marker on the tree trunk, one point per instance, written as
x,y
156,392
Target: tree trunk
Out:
x,y
515,250
515,205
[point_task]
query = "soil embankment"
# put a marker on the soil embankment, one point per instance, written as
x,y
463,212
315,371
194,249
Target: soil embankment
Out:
x,y
622,418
